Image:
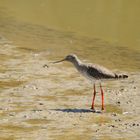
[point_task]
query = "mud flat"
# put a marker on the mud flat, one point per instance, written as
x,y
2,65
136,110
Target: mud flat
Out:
x,y
40,102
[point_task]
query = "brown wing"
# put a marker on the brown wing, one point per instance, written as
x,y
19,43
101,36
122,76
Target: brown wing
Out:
x,y
100,72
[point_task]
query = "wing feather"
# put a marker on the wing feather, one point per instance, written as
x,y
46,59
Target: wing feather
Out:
x,y
100,72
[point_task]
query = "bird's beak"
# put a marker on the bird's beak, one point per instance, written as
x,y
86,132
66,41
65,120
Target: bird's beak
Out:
x,y
59,61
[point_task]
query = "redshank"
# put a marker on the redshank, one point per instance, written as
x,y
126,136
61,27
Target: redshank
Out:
x,y
94,73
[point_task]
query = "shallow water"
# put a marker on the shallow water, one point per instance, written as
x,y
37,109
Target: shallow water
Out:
x,y
52,100
114,44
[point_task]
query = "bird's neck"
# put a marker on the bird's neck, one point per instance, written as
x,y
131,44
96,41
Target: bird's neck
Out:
x,y
77,63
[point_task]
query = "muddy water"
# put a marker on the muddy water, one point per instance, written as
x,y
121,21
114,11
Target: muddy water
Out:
x,y
49,103
62,28
111,21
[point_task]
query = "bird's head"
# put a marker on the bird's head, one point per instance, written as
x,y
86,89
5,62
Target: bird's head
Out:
x,y
70,58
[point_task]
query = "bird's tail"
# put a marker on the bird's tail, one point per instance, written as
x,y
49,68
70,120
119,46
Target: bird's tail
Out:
x,y
121,76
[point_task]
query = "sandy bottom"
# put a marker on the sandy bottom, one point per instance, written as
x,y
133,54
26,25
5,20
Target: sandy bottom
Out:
x,y
53,103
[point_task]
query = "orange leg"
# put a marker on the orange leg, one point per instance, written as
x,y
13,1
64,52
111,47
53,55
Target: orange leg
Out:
x,y
94,94
102,94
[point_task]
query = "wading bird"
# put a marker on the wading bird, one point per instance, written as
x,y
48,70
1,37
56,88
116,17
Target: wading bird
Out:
x,y
94,73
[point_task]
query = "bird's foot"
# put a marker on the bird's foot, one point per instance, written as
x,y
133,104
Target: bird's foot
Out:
x,y
93,109
102,108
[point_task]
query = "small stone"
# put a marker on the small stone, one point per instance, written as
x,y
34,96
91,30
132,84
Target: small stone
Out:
x,y
118,102
118,120
34,87
74,124
35,54
40,103
122,89
25,116
37,110
124,113
133,124
44,66
11,115
114,114
112,126
97,130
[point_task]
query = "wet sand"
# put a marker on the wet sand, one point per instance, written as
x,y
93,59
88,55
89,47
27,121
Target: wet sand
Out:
x,y
53,103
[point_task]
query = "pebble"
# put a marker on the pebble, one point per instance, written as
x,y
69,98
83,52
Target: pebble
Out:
x,y
113,126
45,65
125,113
118,102
97,130
41,104
133,124
114,114
122,89
34,87
37,110
118,120
74,124
25,116
129,102
11,115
